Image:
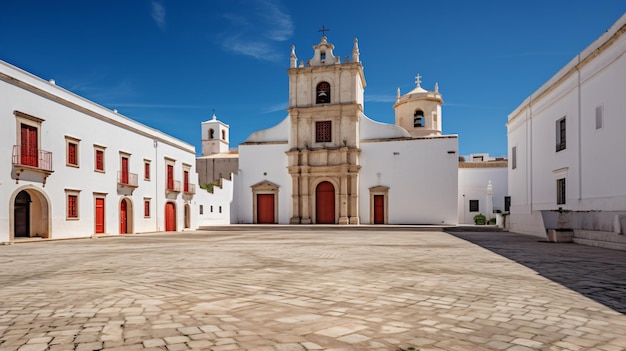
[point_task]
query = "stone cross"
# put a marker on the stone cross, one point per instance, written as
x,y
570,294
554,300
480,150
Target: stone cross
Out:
x,y
418,80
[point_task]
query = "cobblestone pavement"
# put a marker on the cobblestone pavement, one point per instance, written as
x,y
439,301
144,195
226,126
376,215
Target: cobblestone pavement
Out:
x,y
292,290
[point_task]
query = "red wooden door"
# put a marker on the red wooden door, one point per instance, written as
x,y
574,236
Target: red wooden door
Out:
x,y
100,215
265,208
123,217
325,203
186,181
170,177
124,170
379,209
29,150
170,217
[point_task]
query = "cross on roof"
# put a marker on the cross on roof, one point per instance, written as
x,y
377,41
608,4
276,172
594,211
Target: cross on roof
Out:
x,y
324,30
418,80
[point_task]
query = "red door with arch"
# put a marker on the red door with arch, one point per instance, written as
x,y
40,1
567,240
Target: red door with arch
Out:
x,y
170,217
325,203
123,217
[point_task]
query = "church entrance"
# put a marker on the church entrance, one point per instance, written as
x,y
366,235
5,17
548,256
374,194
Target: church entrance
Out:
x,y
325,203
22,215
265,208
379,209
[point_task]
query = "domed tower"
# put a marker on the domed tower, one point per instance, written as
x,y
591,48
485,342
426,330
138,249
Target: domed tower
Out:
x,y
419,111
214,137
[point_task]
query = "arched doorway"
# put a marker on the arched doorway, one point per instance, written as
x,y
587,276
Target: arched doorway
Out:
x,y
170,216
124,208
21,221
187,216
325,203
30,214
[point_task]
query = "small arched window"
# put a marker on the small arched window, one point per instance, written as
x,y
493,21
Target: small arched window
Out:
x,y
418,118
322,93
223,135
211,133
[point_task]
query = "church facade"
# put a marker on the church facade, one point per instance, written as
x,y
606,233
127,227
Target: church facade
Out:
x,y
328,163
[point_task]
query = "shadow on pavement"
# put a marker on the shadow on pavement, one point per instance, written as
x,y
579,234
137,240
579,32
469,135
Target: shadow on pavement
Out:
x,y
597,273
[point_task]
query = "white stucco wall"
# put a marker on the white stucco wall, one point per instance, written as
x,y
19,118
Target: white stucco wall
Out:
x,y
68,115
473,184
595,179
422,177
216,206
261,162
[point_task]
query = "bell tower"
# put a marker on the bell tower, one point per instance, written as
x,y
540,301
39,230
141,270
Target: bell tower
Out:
x,y
214,137
419,111
325,108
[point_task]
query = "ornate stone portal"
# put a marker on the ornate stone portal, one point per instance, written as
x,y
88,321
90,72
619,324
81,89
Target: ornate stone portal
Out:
x,y
325,107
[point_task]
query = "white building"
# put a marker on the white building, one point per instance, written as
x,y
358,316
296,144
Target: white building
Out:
x,y
566,141
483,187
77,169
327,162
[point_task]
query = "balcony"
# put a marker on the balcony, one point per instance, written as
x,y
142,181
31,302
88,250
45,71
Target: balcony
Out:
x,y
125,179
172,186
189,189
32,160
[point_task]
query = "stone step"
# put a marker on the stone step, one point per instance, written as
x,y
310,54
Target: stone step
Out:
x,y
608,240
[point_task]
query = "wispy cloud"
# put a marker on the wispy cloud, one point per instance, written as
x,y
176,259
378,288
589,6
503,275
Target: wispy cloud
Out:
x,y
275,108
255,33
379,98
162,106
158,14
475,107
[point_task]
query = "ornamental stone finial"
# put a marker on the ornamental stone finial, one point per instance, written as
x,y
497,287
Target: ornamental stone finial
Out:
x,y
355,51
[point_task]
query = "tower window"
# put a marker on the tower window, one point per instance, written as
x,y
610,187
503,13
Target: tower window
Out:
x,y
322,93
418,118
323,131
211,133
223,135
323,55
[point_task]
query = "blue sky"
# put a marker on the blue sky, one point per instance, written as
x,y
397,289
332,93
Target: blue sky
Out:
x,y
169,64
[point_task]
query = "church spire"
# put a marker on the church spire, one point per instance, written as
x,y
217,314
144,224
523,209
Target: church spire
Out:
x,y
355,51
293,59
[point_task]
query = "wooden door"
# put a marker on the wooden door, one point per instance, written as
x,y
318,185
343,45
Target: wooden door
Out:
x,y
124,177
265,209
29,151
123,217
21,223
100,215
170,217
170,177
379,209
325,203
186,181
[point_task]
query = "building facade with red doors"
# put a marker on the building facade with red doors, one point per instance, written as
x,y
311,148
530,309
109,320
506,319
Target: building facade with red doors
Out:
x,y
64,181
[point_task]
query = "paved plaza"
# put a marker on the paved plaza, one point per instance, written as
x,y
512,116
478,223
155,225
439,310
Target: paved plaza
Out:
x,y
305,289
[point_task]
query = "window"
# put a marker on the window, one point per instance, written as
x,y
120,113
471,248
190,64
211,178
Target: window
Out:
x,y
72,151
223,134
27,151
72,203
560,134
220,209
473,205
146,169
211,133
599,117
170,177
507,203
560,191
146,208
99,159
201,209
418,118
186,181
323,131
211,208
322,93
514,157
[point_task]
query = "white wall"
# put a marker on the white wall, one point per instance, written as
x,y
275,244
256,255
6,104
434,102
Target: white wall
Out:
x,y
421,175
595,178
259,162
473,184
216,206
66,114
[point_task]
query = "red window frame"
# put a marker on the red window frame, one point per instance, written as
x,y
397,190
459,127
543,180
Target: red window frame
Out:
x,y
146,170
72,206
100,160
72,153
146,208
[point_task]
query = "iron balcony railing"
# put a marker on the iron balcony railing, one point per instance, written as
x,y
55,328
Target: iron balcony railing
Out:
x,y
32,157
128,179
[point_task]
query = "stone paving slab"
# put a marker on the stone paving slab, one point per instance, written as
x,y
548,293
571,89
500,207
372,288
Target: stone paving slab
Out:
x,y
289,290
